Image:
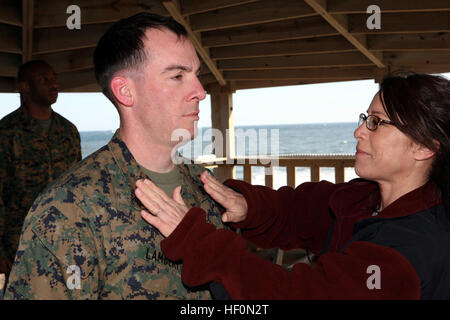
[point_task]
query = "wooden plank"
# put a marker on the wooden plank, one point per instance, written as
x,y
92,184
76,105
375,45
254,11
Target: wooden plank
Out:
x,y
51,40
309,27
11,39
254,84
189,7
297,61
66,61
69,80
409,42
417,58
248,173
92,87
51,13
27,29
360,6
282,48
9,64
268,179
10,13
291,173
315,173
340,24
319,73
222,119
339,174
174,10
248,14
423,22
7,84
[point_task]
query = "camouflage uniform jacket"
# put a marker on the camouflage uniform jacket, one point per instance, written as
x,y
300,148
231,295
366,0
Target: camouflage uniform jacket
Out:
x,y
85,239
30,158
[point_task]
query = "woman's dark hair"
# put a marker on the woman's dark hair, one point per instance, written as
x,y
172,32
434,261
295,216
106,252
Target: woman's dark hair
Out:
x,y
122,48
419,104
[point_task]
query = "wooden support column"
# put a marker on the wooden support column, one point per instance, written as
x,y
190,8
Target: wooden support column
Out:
x,y
27,29
222,119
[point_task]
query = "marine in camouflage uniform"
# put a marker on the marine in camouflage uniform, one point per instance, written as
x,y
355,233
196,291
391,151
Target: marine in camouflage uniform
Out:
x,y
30,158
90,219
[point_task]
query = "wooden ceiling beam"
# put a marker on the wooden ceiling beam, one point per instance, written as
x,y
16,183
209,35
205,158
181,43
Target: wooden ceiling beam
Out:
x,y
189,7
7,84
10,13
51,40
340,23
27,29
11,39
256,84
281,48
318,73
360,6
68,61
409,42
9,64
173,8
251,13
75,79
51,13
89,87
403,23
296,61
309,27
417,58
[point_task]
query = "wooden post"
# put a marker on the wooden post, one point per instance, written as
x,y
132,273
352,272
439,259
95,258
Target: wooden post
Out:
x,y
248,173
339,173
290,173
269,177
315,173
222,119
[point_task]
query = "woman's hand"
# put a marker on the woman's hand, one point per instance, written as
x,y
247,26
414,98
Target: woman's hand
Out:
x,y
233,202
165,213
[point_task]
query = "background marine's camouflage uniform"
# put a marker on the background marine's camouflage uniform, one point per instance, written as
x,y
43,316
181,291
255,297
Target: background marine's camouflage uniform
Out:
x,y
90,218
30,158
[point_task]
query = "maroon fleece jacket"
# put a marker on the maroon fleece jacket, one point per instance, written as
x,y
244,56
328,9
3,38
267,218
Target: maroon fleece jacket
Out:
x,y
300,218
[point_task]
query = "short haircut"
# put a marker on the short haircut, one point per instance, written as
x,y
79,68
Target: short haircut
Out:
x,y
24,71
122,47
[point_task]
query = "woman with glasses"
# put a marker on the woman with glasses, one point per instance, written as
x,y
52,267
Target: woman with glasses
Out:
x,y
383,236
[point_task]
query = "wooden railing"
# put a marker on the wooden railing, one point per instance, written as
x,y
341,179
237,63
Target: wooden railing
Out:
x,y
225,169
314,162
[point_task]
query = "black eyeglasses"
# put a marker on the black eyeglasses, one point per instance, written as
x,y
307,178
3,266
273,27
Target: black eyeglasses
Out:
x,y
372,121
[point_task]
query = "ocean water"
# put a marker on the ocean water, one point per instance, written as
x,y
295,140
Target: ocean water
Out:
x,y
322,138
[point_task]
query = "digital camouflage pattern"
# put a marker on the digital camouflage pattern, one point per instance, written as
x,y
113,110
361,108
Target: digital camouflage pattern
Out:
x,y
30,158
90,219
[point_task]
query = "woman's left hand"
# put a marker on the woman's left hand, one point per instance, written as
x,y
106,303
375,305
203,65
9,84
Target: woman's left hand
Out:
x,y
165,213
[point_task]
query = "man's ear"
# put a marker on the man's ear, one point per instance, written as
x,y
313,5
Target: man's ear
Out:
x,y
23,86
122,89
422,153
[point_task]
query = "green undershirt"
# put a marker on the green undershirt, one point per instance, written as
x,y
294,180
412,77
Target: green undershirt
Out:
x,y
45,124
166,181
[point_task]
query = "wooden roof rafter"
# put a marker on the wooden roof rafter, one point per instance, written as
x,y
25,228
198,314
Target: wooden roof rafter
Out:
x,y
340,23
247,43
173,7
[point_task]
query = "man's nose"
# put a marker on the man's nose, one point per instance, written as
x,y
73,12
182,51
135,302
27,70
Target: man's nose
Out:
x,y
199,92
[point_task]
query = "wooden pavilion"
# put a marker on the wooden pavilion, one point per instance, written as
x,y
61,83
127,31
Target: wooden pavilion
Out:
x,y
242,44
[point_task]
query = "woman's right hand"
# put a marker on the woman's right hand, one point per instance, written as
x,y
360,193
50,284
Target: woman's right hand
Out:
x,y
234,203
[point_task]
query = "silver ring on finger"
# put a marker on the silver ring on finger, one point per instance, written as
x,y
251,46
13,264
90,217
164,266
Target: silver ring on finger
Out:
x,y
157,212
